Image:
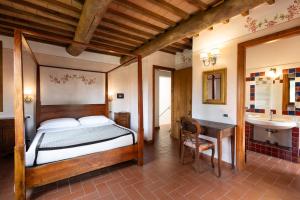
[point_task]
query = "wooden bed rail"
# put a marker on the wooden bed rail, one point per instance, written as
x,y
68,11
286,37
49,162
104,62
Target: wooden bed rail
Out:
x,y
41,175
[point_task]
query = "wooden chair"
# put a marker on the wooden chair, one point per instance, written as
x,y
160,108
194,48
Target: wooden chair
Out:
x,y
189,132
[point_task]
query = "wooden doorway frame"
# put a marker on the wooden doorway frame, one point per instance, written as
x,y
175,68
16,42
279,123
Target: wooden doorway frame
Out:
x,y
157,67
241,83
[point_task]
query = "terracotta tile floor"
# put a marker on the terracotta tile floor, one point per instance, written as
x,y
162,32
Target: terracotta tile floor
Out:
x,y
163,177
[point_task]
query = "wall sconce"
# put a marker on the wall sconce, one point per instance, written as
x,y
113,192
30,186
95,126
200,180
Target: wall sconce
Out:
x,y
28,95
110,98
210,58
273,73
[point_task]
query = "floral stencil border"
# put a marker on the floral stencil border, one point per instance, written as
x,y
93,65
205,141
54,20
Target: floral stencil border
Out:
x,y
67,77
293,10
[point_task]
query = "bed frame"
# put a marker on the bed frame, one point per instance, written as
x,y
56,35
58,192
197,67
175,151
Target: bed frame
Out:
x,y
29,177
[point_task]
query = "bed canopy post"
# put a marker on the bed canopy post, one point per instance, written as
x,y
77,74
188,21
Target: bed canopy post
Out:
x,y
106,95
20,190
140,113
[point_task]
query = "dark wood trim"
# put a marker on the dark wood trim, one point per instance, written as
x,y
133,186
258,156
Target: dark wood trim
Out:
x,y
26,45
1,77
241,82
20,190
157,67
83,70
106,96
140,113
38,97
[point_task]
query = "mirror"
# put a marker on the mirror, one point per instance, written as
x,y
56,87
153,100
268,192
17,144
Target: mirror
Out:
x,y
265,93
214,86
288,92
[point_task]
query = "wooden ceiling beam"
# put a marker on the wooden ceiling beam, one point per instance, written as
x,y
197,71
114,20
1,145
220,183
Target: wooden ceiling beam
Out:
x,y
112,43
182,46
143,11
9,11
195,24
127,28
64,39
171,8
135,20
21,10
109,30
110,46
66,4
14,26
175,49
67,14
198,3
91,15
34,26
167,51
116,38
270,2
10,32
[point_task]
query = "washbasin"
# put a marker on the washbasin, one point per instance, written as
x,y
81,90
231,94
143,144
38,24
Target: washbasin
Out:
x,y
275,123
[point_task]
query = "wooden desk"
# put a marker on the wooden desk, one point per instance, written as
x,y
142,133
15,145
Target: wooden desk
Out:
x,y
219,131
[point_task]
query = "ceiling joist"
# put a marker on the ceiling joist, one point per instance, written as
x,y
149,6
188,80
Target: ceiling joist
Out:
x,y
143,11
91,15
169,7
196,23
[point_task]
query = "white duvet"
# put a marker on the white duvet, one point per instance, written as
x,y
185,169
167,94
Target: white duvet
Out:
x,y
62,154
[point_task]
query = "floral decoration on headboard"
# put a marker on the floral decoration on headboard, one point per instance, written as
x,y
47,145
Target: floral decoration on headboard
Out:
x,y
67,77
292,12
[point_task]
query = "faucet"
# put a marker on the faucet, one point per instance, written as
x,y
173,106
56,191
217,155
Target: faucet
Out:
x,y
271,115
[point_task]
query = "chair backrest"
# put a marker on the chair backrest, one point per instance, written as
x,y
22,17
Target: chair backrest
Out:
x,y
190,128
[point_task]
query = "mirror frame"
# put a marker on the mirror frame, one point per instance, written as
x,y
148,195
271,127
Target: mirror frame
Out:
x,y
223,99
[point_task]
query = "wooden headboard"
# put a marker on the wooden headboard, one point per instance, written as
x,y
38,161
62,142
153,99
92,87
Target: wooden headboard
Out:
x,y
46,112
73,111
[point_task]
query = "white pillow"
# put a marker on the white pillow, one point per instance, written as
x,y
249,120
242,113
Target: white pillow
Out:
x,y
59,123
94,120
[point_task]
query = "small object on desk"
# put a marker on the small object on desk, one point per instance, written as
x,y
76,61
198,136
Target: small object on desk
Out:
x,y
122,119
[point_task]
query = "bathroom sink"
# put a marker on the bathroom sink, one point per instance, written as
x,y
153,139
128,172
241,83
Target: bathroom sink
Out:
x,y
275,123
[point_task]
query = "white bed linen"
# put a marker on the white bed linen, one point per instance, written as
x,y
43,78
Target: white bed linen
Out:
x,y
62,154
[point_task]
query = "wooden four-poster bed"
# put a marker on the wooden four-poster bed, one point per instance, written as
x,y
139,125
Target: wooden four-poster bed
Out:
x,y
29,177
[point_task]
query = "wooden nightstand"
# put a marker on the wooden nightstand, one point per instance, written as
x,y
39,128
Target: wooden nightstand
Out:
x,y
7,136
122,118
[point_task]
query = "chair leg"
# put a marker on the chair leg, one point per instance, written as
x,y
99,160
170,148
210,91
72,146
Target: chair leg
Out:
x,y
212,157
182,154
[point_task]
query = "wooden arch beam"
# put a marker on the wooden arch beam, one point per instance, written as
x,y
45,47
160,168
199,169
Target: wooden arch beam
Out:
x,y
91,15
198,22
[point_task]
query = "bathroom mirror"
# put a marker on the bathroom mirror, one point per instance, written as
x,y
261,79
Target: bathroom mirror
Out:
x,y
288,92
263,87
214,86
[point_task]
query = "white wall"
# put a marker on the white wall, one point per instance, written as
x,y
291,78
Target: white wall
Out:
x,y
226,37
124,80
281,52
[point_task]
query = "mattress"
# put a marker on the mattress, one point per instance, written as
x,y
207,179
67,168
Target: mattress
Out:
x,y
47,156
